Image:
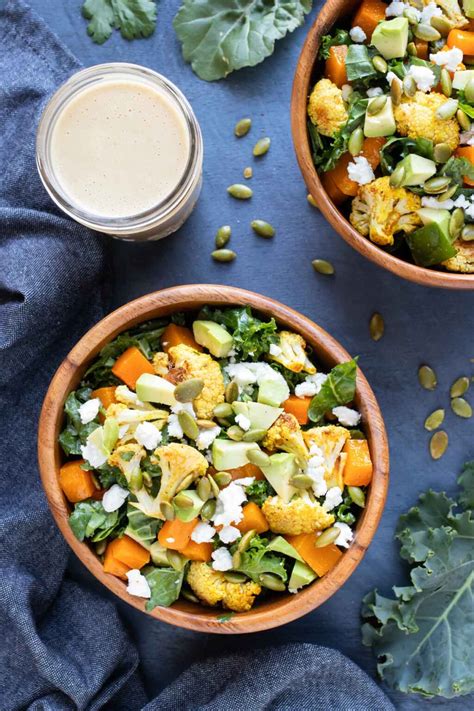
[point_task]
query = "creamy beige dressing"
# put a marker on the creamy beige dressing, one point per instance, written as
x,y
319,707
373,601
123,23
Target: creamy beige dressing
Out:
x,y
119,148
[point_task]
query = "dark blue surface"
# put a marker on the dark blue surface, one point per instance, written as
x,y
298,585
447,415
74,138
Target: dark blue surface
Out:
x,y
422,325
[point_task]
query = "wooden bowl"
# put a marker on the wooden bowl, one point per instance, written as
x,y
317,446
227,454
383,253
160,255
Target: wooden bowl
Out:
x,y
275,611
306,74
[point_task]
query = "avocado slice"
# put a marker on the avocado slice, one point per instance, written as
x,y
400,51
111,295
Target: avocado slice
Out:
x,y
227,454
301,575
390,37
468,7
214,337
261,416
281,469
273,392
153,388
189,513
430,246
461,78
431,215
382,123
281,545
417,169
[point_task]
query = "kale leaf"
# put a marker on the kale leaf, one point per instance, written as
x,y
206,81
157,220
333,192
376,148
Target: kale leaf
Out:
x,y
165,586
134,18
395,149
327,151
90,520
109,475
457,168
257,560
140,527
75,433
338,389
327,41
359,67
259,491
252,337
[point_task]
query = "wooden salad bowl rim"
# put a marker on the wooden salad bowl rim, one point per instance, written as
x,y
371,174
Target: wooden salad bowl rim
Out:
x,y
275,611
302,84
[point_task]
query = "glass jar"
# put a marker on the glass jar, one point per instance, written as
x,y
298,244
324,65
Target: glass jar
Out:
x,y
159,220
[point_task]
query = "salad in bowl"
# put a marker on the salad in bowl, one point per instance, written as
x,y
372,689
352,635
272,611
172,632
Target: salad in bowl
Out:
x,y
208,458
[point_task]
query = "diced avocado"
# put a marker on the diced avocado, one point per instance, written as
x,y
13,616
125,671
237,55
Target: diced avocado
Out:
x,y
273,392
227,454
417,169
111,433
431,215
261,416
468,7
301,575
390,37
461,78
187,514
214,337
281,469
152,388
381,124
280,545
430,246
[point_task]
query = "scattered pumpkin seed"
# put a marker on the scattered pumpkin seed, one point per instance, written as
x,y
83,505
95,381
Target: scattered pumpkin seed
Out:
x,y
272,582
167,510
262,228
235,433
232,576
208,510
380,64
427,377
311,200
205,424
231,395
185,483
456,223
222,479
223,236
469,91
204,488
223,410
301,481
356,141
100,547
175,560
376,105
376,326
239,191
182,501
261,147
322,266
257,457
223,255
437,184
188,390
189,596
447,193
461,407
357,496
438,444
467,235
463,120
442,24
245,541
442,152
214,487
236,559
460,386
398,176
409,85
254,435
434,420
327,537
426,32
446,82
248,173
242,127
396,91
188,424
447,109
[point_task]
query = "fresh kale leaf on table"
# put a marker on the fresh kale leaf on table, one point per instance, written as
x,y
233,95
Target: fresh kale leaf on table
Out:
x,y
134,18
423,638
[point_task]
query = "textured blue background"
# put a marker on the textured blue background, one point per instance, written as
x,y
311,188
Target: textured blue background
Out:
x,y
422,325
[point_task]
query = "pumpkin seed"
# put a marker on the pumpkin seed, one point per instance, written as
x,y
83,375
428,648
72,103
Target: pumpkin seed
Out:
x,y
301,481
231,394
254,435
427,377
246,540
272,582
411,49
356,141
208,510
447,193
185,483
147,480
459,387
380,64
175,560
203,488
376,105
437,184
442,152
236,559
461,407
311,200
232,576
188,390
181,501
438,444
235,433
463,120
239,191
468,233
456,223
188,424
447,109
446,82
396,91
261,147
242,127
257,457
442,24
322,266
223,255
398,176
409,85
434,420
100,547
469,91
223,236
214,487
189,596
327,537
411,15
167,510
376,326
223,410
205,424
425,32
262,228
248,172
222,479
136,481
357,496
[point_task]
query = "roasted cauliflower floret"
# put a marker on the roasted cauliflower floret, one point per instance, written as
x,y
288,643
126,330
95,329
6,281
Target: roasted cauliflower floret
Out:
x,y
328,442
452,11
379,211
417,118
201,365
293,353
132,414
161,363
211,588
463,261
127,458
300,515
326,108
286,434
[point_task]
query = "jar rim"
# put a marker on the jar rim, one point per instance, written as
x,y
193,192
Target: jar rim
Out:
x,y
137,222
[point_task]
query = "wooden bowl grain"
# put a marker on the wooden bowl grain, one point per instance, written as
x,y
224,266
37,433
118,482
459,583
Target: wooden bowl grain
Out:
x,y
336,11
273,612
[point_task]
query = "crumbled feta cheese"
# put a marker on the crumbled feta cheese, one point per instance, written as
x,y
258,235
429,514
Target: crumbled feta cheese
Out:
x,y
423,76
137,584
375,91
467,138
229,534
206,437
229,505
346,416
203,533
247,374
391,77
436,204
305,389
395,9
243,422
316,470
357,34
148,435
467,206
274,349
174,428
114,498
96,456
360,171
430,10
183,407
449,59
333,498
128,397
318,379
89,410
346,90
245,481
345,536
222,559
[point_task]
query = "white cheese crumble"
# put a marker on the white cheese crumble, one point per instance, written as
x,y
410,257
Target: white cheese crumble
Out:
x,y
245,481
229,505
375,91
114,498
461,201
430,10
346,416
137,584
174,428
345,536
316,470
449,59
391,76
305,389
222,559
275,350
423,76
333,498
360,171
206,437
203,533
148,435
229,534
243,422
126,396
346,90
395,9
357,34
93,454
89,410
183,407
247,375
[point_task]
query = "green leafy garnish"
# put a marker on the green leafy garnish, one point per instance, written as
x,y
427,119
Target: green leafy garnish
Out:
x,y
140,527
225,617
252,337
358,64
468,110
109,475
423,637
75,433
259,491
395,149
134,18
338,389
257,560
90,520
327,151
220,36
327,41
457,168
165,586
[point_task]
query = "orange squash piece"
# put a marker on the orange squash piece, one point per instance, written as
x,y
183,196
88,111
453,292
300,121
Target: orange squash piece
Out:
x,y
336,65
462,39
298,406
198,551
176,534
130,365
246,470
112,565
129,552
358,468
368,16
321,560
174,335
76,483
332,190
421,49
253,519
468,153
339,175
105,395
